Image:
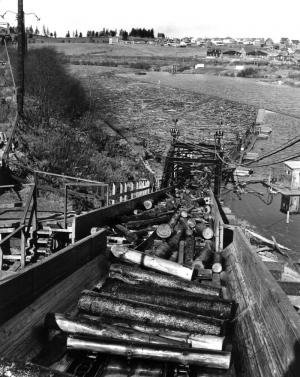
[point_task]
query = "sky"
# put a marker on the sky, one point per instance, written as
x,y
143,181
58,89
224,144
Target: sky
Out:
x,y
197,18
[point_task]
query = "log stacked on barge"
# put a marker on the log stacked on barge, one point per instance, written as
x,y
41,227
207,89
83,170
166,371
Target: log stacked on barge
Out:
x,y
160,303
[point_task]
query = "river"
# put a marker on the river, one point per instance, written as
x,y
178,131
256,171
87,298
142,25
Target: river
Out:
x,y
279,98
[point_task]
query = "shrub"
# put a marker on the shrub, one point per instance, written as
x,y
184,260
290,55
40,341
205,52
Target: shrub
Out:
x,y
140,65
248,72
48,82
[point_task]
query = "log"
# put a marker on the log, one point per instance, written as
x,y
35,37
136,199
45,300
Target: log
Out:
x,y
188,231
265,240
181,252
165,249
148,204
128,234
194,340
153,221
153,262
98,304
189,251
134,275
213,359
204,231
217,264
174,219
145,215
96,328
174,256
21,369
120,367
200,304
164,231
205,255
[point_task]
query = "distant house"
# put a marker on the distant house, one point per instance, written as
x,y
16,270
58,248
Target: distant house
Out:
x,y
297,54
216,52
218,42
113,40
259,42
269,42
285,41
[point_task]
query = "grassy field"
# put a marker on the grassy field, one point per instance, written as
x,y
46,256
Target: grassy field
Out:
x,y
129,50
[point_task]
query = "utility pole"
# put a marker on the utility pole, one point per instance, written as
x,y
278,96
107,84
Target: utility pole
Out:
x,y
21,56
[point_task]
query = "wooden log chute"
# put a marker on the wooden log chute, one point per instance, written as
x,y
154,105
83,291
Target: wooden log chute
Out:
x,y
154,305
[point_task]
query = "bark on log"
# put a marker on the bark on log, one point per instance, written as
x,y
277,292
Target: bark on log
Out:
x,y
153,221
165,249
153,262
134,275
189,251
145,215
205,255
20,369
128,234
96,328
188,231
174,219
213,359
97,304
202,273
203,305
195,340
119,367
174,256
181,252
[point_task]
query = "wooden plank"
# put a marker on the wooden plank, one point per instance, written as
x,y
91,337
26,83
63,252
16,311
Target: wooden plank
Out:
x,y
30,283
267,325
109,215
276,268
22,336
291,288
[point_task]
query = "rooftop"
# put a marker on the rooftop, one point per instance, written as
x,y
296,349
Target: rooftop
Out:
x,y
292,164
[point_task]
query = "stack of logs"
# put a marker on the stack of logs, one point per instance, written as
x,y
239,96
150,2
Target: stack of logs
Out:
x,y
160,300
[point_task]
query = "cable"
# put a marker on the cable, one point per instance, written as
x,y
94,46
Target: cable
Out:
x,y
284,146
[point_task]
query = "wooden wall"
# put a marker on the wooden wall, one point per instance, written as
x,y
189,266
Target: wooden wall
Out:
x,y
107,215
23,288
267,328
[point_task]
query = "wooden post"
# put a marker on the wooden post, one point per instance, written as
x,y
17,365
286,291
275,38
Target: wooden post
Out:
x,y
113,192
21,55
66,207
23,248
288,217
121,192
125,191
131,188
1,255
